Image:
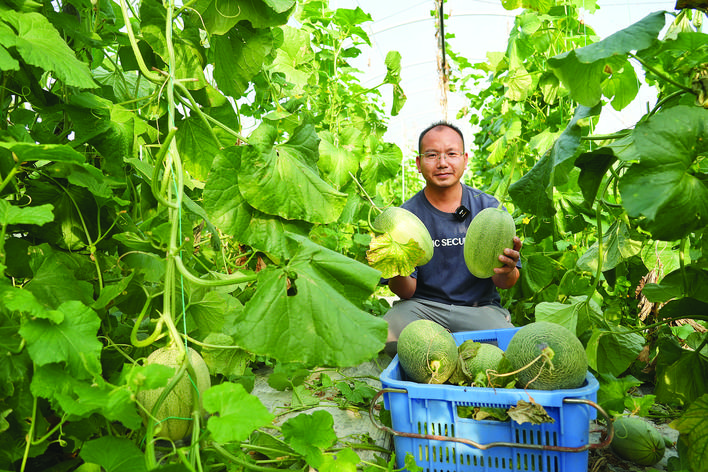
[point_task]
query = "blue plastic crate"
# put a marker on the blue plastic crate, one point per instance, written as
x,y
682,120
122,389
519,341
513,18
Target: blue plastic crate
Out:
x,y
425,409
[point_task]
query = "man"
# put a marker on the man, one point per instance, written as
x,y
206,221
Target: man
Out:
x,y
443,290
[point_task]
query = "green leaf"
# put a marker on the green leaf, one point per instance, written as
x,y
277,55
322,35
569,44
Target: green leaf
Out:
x,y
345,460
303,398
114,454
40,44
350,19
23,301
288,375
310,311
83,398
636,37
693,426
669,145
683,381
72,342
613,350
16,365
593,167
520,84
617,245
559,313
111,291
284,180
37,152
196,147
361,394
533,193
511,4
339,155
146,377
393,68
220,16
310,435
229,211
582,79
90,115
87,176
382,166
687,307
613,391
150,266
55,282
213,311
294,58
239,55
661,256
538,271
393,76
640,405
393,258
15,215
575,283
622,87
7,62
582,70
236,413
577,315
230,360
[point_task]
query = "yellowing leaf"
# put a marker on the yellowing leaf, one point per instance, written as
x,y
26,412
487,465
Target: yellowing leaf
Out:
x,y
393,258
529,412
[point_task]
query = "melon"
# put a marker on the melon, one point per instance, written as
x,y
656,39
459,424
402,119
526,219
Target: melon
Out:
x,y
402,225
427,352
475,359
173,416
637,440
488,357
490,232
564,365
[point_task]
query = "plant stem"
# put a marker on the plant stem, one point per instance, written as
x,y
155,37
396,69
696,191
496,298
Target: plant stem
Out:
x,y
682,263
600,242
661,102
9,176
30,434
606,137
151,76
159,158
228,279
654,71
194,107
245,464
89,242
136,325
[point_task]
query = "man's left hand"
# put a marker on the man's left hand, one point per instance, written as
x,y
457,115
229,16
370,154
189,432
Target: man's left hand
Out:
x,y
507,275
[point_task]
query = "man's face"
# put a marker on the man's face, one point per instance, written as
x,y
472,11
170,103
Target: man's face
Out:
x,y
442,159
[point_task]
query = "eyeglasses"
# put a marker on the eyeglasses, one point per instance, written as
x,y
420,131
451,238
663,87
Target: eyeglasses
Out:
x,y
435,156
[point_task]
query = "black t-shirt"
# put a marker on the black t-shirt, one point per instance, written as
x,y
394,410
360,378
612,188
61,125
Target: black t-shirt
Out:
x,y
445,278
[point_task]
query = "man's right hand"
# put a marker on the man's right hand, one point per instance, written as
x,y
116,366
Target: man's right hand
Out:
x,y
402,286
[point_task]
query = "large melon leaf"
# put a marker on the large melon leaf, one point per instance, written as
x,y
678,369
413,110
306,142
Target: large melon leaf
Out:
x,y
310,310
668,186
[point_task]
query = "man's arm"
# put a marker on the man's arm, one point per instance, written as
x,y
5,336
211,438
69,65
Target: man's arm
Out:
x,y
402,286
507,275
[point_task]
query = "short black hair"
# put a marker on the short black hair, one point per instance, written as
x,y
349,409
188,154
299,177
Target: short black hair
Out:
x,y
435,125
